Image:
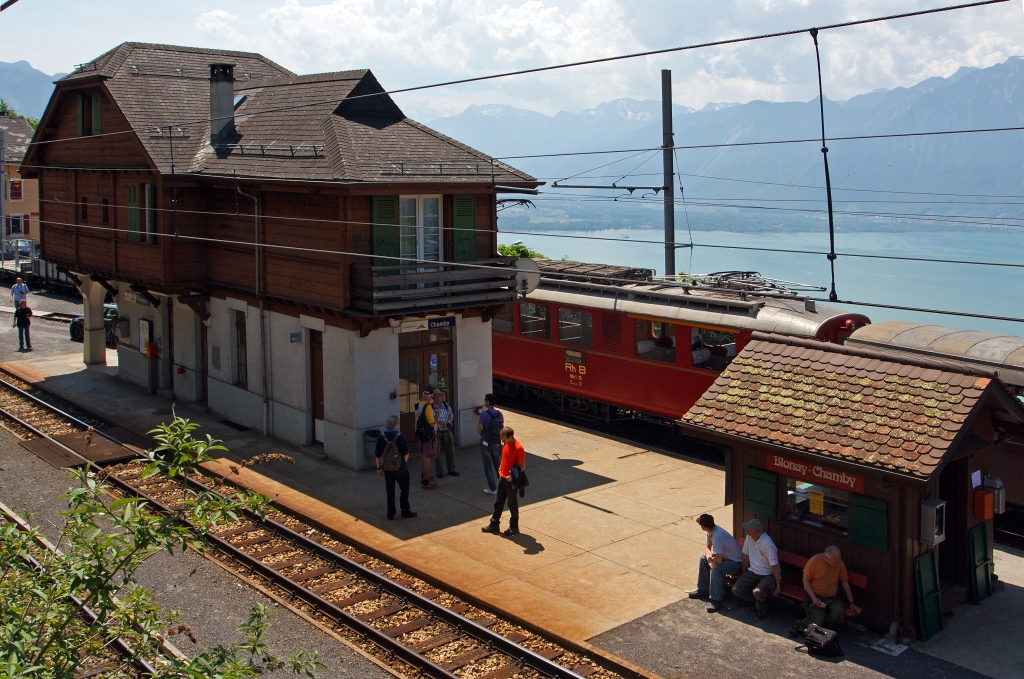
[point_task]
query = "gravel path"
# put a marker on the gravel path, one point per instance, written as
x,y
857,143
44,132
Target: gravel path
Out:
x,y
213,603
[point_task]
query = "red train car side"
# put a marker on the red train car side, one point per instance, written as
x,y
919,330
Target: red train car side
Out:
x,y
641,349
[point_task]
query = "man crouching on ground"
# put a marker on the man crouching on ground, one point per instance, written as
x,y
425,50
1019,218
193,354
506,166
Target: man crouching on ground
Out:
x,y
512,455
722,557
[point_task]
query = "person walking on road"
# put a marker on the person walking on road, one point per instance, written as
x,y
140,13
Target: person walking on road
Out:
x,y
722,556
513,464
392,452
426,437
823,573
22,319
19,293
489,427
444,419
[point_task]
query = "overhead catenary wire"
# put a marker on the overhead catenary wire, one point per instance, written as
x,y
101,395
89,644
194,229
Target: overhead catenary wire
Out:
x,y
586,62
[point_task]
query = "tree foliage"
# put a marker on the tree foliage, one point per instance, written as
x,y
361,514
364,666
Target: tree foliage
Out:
x,y
103,541
518,250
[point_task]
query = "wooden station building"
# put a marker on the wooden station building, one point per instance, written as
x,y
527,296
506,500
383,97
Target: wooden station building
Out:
x,y
889,457
292,250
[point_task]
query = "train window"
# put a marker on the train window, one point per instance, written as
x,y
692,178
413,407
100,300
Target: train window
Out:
x,y
656,341
575,327
534,321
502,321
711,349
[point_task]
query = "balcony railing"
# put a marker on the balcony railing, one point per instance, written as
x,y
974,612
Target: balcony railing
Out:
x,y
447,286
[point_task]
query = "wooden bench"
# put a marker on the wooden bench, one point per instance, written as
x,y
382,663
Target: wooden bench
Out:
x,y
796,592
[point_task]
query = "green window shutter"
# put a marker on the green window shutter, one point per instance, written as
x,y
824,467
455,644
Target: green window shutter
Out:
x,y
97,114
760,493
869,522
464,223
81,115
385,229
133,211
151,213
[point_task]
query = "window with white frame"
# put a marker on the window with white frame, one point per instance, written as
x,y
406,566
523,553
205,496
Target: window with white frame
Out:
x,y
16,227
420,228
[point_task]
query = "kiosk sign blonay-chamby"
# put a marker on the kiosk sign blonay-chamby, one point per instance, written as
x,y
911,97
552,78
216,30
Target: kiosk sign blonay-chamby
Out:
x,y
815,473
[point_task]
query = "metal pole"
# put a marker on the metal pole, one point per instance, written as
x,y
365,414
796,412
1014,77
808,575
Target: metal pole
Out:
x,y
667,145
832,296
3,200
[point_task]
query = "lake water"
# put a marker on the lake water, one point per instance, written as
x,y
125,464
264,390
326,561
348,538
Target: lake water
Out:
x,y
997,291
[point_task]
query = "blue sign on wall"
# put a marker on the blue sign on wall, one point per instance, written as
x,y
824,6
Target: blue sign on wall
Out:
x,y
446,322
295,337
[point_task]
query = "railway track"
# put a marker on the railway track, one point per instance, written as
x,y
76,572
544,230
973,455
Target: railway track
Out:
x,y
403,623
117,658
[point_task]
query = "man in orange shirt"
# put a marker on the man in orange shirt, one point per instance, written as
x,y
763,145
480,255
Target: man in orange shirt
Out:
x,y
513,461
822,577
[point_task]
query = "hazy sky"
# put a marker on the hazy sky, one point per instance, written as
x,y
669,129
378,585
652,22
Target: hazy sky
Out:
x,y
410,42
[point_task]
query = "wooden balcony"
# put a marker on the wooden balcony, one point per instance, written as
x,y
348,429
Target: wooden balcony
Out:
x,y
391,291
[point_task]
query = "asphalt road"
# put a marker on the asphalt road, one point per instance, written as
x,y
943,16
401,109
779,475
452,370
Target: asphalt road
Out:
x,y
49,338
212,602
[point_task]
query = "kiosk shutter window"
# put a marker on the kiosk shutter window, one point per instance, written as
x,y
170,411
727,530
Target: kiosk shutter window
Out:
x,y
464,228
869,522
385,229
132,190
760,493
502,321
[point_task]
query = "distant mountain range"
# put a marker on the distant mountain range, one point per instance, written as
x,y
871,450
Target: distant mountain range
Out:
x,y
767,178
26,89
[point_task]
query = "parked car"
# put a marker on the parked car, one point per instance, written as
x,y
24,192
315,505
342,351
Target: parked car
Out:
x,y
77,328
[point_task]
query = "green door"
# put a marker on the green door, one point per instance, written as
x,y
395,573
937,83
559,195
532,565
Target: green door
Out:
x,y
385,229
929,595
981,565
464,231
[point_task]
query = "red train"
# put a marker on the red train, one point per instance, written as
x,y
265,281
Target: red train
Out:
x,y
611,343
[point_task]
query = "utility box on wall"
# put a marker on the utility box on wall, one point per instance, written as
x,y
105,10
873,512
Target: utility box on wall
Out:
x,y
933,521
995,485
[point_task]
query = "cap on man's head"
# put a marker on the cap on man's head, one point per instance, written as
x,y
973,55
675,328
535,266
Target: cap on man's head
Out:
x,y
428,391
754,524
706,521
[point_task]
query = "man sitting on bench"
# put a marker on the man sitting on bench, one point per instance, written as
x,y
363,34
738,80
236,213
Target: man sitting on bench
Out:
x,y
722,556
822,576
762,576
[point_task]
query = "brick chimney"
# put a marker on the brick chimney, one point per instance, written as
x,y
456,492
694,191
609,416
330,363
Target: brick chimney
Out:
x,y
222,102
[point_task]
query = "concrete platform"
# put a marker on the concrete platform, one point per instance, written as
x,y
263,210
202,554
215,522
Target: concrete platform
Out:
x,y
607,528
607,550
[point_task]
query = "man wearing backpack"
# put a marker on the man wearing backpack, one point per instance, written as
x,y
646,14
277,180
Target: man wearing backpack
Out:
x,y
489,427
392,453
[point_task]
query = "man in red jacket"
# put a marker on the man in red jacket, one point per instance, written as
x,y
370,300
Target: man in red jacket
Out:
x,y
512,455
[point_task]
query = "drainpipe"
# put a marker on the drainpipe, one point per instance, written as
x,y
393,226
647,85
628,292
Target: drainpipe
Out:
x,y
263,323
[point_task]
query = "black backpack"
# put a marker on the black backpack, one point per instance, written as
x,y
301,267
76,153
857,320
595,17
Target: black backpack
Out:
x,y
391,458
495,426
821,641
424,432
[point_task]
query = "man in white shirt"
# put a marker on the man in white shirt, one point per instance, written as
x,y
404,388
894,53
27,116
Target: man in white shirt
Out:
x,y
19,292
722,556
762,576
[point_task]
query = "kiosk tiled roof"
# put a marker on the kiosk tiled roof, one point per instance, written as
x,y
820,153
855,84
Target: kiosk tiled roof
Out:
x,y
325,127
854,405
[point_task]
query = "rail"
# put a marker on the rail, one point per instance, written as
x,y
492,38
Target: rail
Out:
x,y
446,286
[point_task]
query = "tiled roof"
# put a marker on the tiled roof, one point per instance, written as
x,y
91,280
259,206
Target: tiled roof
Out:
x,y
17,134
288,126
854,405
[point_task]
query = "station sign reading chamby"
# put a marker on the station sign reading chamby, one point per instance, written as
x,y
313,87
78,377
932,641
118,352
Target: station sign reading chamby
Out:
x,y
815,473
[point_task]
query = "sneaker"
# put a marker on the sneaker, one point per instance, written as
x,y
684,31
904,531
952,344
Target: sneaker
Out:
x,y
453,473
762,610
408,515
714,606
509,532
440,475
491,528
391,517
489,491
429,486
697,594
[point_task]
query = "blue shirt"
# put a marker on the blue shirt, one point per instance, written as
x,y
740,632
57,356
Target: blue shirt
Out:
x,y
722,542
